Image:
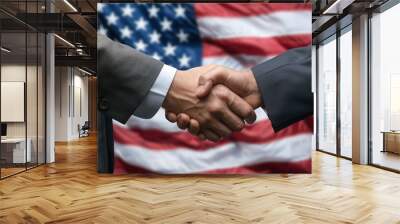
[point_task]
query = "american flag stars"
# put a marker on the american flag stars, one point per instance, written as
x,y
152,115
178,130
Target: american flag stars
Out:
x,y
169,49
153,10
126,32
184,61
155,37
127,10
166,25
140,45
112,19
182,36
179,11
166,32
141,24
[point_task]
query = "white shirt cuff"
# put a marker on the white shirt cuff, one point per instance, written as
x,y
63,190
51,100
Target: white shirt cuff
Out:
x,y
155,97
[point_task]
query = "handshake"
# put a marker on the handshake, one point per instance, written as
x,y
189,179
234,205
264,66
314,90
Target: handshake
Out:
x,y
212,101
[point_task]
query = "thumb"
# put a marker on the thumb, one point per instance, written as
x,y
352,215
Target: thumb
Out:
x,y
204,89
209,79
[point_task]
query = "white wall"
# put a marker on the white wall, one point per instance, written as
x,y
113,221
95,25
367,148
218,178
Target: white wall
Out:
x,y
61,103
17,73
71,94
10,73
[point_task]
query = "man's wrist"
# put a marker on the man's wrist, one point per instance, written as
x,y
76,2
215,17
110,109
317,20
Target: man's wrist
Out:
x,y
180,93
156,95
254,98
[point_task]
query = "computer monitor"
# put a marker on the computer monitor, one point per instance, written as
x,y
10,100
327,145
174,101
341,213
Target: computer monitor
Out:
x,y
3,129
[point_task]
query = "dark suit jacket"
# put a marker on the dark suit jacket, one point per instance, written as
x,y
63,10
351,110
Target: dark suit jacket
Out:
x,y
285,84
125,77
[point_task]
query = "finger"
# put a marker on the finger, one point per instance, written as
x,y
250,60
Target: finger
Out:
x,y
183,121
204,89
242,109
231,120
171,117
210,135
194,127
219,128
202,136
215,76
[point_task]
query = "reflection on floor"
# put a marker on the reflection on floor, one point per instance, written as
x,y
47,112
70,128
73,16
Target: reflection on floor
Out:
x,y
387,159
11,169
71,191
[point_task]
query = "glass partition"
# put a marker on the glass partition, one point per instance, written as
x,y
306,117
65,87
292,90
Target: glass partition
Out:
x,y
13,94
327,95
23,91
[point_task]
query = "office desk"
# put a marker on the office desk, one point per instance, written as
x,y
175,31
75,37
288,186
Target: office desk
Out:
x,y
391,141
13,150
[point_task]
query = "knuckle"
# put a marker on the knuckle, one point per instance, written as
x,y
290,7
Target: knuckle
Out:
x,y
227,133
181,125
215,107
239,126
206,119
221,92
248,112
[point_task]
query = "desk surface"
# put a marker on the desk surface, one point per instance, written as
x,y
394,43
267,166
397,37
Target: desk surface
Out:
x,y
13,140
390,132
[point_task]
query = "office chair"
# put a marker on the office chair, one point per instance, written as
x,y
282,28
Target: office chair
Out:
x,y
84,130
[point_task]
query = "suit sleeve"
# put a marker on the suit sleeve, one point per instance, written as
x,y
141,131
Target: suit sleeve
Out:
x,y
125,76
285,86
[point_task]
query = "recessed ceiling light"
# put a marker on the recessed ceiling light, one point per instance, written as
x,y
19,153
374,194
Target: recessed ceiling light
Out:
x,y
84,71
64,40
70,5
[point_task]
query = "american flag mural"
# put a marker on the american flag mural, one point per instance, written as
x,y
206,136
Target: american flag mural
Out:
x,y
187,35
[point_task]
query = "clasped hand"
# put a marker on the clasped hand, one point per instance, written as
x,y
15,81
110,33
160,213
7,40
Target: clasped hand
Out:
x,y
212,101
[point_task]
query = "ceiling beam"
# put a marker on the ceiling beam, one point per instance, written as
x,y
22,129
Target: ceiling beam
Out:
x,y
89,30
81,61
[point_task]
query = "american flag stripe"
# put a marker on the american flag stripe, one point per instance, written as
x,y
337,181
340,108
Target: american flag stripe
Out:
x,y
268,167
246,9
239,61
184,160
156,139
249,45
255,26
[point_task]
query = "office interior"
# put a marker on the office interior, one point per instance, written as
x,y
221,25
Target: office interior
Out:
x,y
48,95
49,115
355,67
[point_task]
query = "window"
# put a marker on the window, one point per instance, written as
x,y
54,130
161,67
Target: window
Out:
x,y
385,89
346,92
327,95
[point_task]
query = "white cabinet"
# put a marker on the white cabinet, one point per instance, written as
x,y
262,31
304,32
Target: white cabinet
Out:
x,y
17,147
